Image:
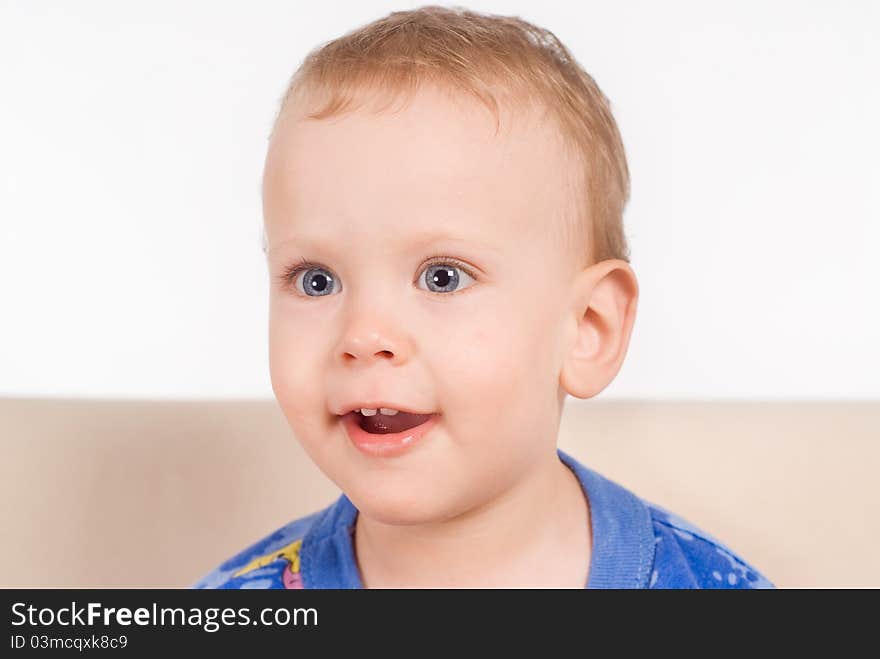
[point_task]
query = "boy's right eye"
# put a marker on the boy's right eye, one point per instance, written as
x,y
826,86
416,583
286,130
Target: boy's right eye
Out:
x,y
317,282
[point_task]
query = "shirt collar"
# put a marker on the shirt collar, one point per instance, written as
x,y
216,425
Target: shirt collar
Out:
x,y
623,538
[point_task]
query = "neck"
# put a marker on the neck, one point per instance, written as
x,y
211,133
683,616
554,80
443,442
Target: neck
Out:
x,y
536,533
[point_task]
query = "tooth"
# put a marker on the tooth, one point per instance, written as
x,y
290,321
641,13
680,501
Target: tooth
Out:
x,y
388,411
366,411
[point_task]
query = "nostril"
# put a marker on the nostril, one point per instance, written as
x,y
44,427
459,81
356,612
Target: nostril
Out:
x,y
347,356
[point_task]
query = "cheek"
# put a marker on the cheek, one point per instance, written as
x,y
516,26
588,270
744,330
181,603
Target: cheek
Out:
x,y
498,376
496,346
294,369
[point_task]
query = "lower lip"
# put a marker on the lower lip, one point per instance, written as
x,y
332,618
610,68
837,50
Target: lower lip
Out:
x,y
389,444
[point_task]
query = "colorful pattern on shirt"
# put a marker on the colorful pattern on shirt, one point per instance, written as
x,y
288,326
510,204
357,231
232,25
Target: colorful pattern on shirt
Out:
x,y
290,576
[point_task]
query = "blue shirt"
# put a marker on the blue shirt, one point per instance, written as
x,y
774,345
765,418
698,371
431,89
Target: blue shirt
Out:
x,y
636,544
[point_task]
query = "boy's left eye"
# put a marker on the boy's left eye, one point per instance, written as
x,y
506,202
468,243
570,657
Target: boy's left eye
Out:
x,y
443,277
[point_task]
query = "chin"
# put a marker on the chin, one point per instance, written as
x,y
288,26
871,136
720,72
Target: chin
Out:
x,y
398,504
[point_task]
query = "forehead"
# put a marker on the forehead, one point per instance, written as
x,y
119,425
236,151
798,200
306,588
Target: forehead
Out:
x,y
429,168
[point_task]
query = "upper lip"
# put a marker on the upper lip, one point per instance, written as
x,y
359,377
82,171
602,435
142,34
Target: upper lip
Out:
x,y
375,405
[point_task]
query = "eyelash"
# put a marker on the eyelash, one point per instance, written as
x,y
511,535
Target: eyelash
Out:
x,y
289,274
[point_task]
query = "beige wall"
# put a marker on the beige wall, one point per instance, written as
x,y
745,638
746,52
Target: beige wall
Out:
x,y
156,493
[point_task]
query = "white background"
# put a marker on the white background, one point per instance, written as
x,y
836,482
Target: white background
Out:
x,y
132,138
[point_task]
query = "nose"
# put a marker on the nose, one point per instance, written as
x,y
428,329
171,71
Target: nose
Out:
x,y
362,344
374,328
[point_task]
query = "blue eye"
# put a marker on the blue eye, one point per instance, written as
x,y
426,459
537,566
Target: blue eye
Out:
x,y
317,281
444,277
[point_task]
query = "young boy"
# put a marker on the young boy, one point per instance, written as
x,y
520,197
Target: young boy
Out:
x,y
444,273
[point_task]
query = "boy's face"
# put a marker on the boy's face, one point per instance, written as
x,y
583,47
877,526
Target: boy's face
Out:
x,y
371,199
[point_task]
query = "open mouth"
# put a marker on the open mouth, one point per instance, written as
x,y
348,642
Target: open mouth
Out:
x,y
389,436
381,424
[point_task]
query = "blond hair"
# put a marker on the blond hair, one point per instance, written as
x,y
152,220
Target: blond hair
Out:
x,y
491,57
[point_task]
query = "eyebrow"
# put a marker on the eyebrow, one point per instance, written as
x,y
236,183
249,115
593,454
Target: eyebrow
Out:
x,y
418,240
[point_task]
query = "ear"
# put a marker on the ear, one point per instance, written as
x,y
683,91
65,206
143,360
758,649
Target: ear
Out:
x,y
604,297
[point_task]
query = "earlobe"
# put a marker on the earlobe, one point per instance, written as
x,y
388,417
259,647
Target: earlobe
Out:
x,y
604,301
